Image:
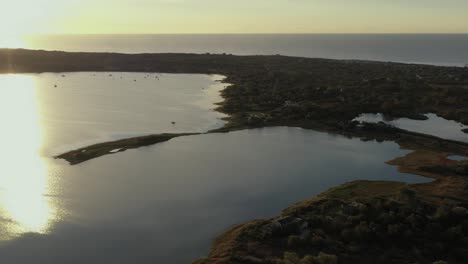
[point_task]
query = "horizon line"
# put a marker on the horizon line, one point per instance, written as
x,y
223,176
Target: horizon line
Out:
x,y
261,33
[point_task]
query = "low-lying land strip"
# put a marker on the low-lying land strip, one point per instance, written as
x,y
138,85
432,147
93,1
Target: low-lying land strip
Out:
x,y
94,151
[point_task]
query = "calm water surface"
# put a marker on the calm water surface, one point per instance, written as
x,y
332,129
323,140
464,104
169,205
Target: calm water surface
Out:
x,y
74,109
159,204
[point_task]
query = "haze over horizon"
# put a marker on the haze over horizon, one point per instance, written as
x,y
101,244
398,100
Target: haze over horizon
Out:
x,y
241,16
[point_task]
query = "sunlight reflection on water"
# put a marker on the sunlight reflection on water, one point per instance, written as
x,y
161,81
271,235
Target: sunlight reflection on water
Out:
x,y
23,204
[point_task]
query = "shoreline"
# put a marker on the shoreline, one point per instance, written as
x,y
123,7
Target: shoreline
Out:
x,y
323,95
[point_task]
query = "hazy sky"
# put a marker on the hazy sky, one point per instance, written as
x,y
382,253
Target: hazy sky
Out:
x,y
233,16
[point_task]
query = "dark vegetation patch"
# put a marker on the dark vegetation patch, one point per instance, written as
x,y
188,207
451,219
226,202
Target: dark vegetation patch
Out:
x,y
394,226
458,170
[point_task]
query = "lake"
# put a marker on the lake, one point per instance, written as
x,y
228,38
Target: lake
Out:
x,y
439,49
158,204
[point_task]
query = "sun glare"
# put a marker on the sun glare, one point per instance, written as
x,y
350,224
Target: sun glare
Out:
x,y
23,178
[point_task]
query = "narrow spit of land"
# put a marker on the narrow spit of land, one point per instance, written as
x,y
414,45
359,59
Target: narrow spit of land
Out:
x,y
359,222
97,150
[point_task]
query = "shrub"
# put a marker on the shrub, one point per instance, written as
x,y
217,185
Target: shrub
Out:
x,y
294,241
407,193
362,231
454,233
307,260
200,261
323,258
317,240
393,230
291,258
347,234
442,213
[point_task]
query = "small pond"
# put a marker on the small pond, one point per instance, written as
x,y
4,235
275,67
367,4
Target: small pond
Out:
x,y
434,125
